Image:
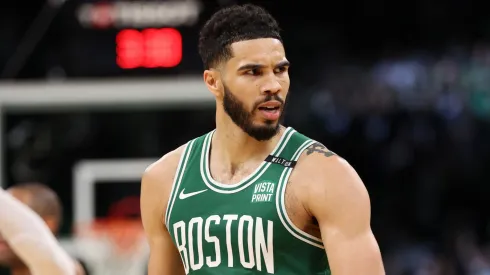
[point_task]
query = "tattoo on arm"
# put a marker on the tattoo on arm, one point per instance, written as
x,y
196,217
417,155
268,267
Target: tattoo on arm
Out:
x,y
319,148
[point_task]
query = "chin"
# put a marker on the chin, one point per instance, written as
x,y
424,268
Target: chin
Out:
x,y
261,122
266,125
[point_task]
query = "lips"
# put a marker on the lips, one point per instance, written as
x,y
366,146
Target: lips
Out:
x,y
270,110
270,106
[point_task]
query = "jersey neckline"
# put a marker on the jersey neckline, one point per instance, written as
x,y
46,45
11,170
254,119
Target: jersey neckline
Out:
x,y
216,186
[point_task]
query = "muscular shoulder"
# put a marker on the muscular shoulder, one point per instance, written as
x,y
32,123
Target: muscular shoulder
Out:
x,y
160,174
156,183
323,175
318,161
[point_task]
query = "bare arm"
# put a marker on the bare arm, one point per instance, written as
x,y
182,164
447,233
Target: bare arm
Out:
x,y
30,238
79,269
155,191
340,202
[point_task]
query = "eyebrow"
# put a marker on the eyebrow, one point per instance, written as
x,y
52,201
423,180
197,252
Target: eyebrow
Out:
x,y
245,67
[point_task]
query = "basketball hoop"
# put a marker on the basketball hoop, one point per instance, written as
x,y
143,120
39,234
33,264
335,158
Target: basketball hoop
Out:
x,y
113,245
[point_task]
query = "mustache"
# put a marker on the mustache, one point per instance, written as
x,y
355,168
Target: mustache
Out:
x,y
269,98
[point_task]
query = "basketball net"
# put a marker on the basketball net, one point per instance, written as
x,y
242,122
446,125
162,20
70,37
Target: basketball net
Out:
x,y
113,246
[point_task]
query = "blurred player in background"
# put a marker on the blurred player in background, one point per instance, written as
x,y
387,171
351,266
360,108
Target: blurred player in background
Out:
x,y
27,242
252,196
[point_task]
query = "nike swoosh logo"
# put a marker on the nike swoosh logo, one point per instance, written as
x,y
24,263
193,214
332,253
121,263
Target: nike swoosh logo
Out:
x,y
183,196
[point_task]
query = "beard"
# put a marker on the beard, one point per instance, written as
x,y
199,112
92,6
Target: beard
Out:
x,y
245,119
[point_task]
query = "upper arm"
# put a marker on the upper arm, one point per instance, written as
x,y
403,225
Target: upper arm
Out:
x,y
155,190
31,239
42,254
339,201
80,270
44,259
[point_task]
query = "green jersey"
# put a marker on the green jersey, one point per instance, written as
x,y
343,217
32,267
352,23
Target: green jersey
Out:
x,y
240,228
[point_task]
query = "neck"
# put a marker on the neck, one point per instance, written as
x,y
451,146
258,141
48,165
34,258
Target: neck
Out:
x,y
234,147
20,270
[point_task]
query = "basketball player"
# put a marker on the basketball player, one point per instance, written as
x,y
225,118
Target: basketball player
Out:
x,y
253,196
27,242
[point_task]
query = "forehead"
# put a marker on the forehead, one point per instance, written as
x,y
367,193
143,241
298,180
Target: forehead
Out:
x,y
259,51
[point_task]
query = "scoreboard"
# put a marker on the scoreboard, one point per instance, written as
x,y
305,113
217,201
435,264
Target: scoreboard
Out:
x,y
110,38
127,38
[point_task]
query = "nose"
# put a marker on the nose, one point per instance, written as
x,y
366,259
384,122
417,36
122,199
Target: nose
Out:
x,y
271,86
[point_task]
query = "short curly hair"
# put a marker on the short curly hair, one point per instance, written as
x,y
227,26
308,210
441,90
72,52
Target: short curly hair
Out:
x,y
233,24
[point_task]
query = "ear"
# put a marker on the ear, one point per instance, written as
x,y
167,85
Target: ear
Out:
x,y
212,78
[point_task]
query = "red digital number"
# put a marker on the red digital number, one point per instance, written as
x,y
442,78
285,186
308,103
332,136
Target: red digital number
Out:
x,y
150,48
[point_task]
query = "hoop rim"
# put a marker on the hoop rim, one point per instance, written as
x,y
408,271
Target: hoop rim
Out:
x,y
124,234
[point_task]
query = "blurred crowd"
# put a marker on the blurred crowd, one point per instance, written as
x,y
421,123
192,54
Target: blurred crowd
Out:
x,y
448,83
417,129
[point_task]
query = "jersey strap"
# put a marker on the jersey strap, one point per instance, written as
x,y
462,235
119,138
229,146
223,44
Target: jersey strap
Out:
x,y
299,143
179,173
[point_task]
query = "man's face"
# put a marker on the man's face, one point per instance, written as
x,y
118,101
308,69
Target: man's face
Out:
x,y
256,84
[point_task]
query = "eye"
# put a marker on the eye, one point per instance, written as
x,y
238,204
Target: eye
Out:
x,y
253,72
279,70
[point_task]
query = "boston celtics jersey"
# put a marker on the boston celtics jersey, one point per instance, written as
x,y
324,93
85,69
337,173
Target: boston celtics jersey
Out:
x,y
240,228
